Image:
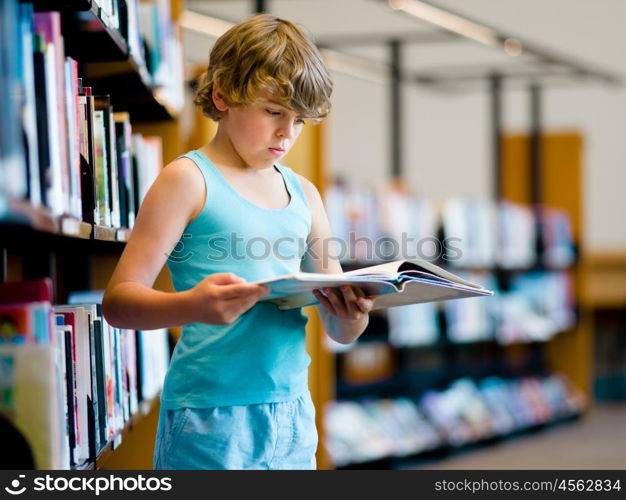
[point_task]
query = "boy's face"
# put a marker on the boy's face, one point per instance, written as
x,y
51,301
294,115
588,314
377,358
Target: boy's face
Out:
x,y
262,133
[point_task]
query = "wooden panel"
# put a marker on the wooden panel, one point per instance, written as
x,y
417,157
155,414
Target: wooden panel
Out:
x,y
563,177
169,132
562,173
307,155
605,280
203,128
177,7
515,170
570,352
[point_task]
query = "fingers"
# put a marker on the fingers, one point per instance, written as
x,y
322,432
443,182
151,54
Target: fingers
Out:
x,y
350,299
365,304
332,298
241,303
241,290
345,301
324,301
335,297
239,306
225,278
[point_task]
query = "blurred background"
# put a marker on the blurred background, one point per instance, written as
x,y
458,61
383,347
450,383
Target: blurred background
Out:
x,y
489,132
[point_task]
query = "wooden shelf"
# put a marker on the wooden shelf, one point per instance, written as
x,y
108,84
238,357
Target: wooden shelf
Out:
x,y
28,222
123,235
87,36
77,255
106,62
75,228
104,233
605,280
130,89
145,407
38,218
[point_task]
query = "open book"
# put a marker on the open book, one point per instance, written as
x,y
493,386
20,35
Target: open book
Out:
x,y
398,283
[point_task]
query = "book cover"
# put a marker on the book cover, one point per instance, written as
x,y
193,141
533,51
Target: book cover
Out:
x,y
48,24
32,405
77,318
29,105
41,113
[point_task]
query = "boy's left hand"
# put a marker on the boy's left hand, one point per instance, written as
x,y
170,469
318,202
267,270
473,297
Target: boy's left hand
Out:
x,y
345,302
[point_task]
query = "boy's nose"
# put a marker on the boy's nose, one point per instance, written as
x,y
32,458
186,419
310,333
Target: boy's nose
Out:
x,y
286,132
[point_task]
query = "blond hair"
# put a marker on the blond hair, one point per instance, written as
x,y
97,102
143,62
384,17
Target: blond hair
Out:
x,y
265,54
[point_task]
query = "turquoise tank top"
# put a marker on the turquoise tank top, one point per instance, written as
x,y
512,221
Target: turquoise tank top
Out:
x,y
261,357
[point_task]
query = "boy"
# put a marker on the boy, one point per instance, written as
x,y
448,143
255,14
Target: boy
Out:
x,y
235,395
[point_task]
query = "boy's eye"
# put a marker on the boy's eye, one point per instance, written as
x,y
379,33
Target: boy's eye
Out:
x,y
273,112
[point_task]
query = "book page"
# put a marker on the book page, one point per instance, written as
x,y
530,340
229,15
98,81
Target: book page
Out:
x,y
399,267
429,267
389,269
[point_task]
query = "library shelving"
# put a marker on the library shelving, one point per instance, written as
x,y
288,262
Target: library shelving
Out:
x,y
390,386
109,61
62,227
80,252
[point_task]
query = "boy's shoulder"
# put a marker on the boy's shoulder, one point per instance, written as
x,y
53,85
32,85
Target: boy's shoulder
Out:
x,y
183,178
182,169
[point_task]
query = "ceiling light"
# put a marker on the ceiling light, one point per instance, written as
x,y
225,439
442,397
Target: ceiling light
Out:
x,y
202,23
446,20
513,47
355,66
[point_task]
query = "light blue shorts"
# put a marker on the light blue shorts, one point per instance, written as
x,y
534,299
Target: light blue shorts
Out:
x,y
262,436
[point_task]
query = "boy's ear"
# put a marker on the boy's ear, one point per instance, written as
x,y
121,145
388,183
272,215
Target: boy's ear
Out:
x,y
218,100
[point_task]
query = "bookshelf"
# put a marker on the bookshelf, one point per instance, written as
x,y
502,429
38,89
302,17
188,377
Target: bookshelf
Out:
x,y
76,252
605,302
562,181
385,391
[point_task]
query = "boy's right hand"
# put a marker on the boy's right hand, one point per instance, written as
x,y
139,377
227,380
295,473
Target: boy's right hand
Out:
x,y
221,298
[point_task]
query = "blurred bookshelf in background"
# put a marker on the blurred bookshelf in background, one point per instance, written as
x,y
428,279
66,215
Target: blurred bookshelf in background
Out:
x,y
428,379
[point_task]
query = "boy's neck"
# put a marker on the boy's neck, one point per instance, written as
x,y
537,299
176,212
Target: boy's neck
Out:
x,y
221,152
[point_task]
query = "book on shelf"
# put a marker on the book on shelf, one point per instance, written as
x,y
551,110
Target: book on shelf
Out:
x,y
12,163
472,320
398,283
69,382
62,147
537,306
464,412
413,325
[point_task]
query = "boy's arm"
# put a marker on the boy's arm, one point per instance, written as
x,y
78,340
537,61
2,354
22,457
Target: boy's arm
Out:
x,y
343,314
174,199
